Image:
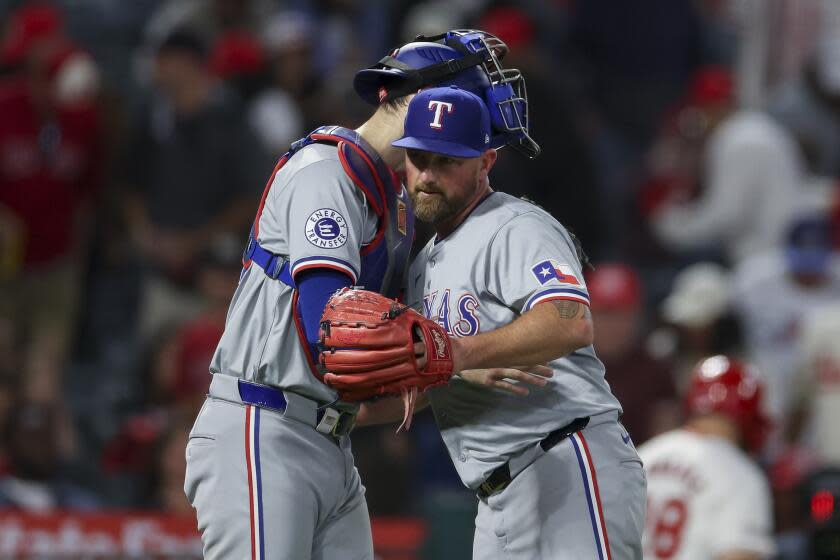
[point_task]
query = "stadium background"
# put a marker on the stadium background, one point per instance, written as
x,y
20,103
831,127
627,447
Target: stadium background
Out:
x,y
135,139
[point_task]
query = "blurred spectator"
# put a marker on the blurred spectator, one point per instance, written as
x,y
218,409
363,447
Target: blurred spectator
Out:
x,y
196,340
773,294
212,20
35,482
698,297
634,61
642,383
796,26
698,320
675,161
707,498
809,104
50,167
284,110
238,59
349,33
170,467
819,384
32,24
751,181
433,17
562,179
194,169
128,456
639,58
180,353
208,17
175,386
41,383
293,43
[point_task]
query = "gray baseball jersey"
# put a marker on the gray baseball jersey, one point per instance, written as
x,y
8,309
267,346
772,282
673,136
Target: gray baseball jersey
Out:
x,y
526,257
265,480
261,341
505,258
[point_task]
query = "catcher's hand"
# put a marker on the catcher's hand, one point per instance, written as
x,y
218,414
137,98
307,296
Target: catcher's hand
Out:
x,y
368,348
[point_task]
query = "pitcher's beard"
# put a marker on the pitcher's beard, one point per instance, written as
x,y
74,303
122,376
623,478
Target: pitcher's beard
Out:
x,y
431,208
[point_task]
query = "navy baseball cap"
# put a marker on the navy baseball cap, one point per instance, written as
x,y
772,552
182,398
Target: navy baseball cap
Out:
x,y
809,245
447,120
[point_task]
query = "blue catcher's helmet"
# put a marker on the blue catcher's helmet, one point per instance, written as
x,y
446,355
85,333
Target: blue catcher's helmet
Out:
x,y
467,58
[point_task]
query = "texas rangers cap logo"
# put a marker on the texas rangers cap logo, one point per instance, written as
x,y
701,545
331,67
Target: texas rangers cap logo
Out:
x,y
438,107
326,228
447,121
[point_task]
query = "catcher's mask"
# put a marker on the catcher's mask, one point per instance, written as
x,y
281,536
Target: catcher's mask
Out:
x,y
467,58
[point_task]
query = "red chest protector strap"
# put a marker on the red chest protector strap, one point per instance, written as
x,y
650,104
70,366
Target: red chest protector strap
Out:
x,y
367,171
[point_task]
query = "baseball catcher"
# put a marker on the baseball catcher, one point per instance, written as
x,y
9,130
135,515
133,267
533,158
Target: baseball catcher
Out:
x,y
333,214
369,349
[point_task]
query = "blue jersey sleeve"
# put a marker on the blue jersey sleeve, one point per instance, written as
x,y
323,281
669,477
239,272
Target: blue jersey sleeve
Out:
x,y
315,286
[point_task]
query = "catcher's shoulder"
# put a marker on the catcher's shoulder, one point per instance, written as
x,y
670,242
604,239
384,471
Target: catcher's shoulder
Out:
x,y
316,156
315,168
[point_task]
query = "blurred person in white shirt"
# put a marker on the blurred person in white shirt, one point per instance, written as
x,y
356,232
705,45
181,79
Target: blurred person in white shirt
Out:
x,y
819,384
697,320
707,499
773,294
750,175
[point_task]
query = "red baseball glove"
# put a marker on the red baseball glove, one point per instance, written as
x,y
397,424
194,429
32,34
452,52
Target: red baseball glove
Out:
x,y
367,348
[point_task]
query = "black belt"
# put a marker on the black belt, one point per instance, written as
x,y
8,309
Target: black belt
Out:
x,y
500,477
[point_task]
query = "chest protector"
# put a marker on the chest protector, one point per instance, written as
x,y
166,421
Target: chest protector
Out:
x,y
385,260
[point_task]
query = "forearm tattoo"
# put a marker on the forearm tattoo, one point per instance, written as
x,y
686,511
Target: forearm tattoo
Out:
x,y
569,309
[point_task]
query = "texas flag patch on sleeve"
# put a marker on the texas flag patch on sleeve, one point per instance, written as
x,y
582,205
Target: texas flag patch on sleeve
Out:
x,y
549,270
557,282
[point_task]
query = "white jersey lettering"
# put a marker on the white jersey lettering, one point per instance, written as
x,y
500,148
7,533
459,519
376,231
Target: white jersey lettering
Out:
x,y
705,498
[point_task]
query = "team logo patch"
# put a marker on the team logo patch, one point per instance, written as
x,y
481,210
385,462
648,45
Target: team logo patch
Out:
x,y
549,270
326,228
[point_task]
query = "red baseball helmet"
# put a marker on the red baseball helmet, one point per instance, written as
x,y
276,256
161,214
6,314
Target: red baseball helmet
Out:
x,y
724,385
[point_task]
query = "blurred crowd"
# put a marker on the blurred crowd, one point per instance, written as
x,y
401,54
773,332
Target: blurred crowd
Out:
x,y
690,144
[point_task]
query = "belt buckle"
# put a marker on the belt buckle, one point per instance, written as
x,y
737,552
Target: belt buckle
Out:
x,y
335,423
328,422
487,488
346,422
